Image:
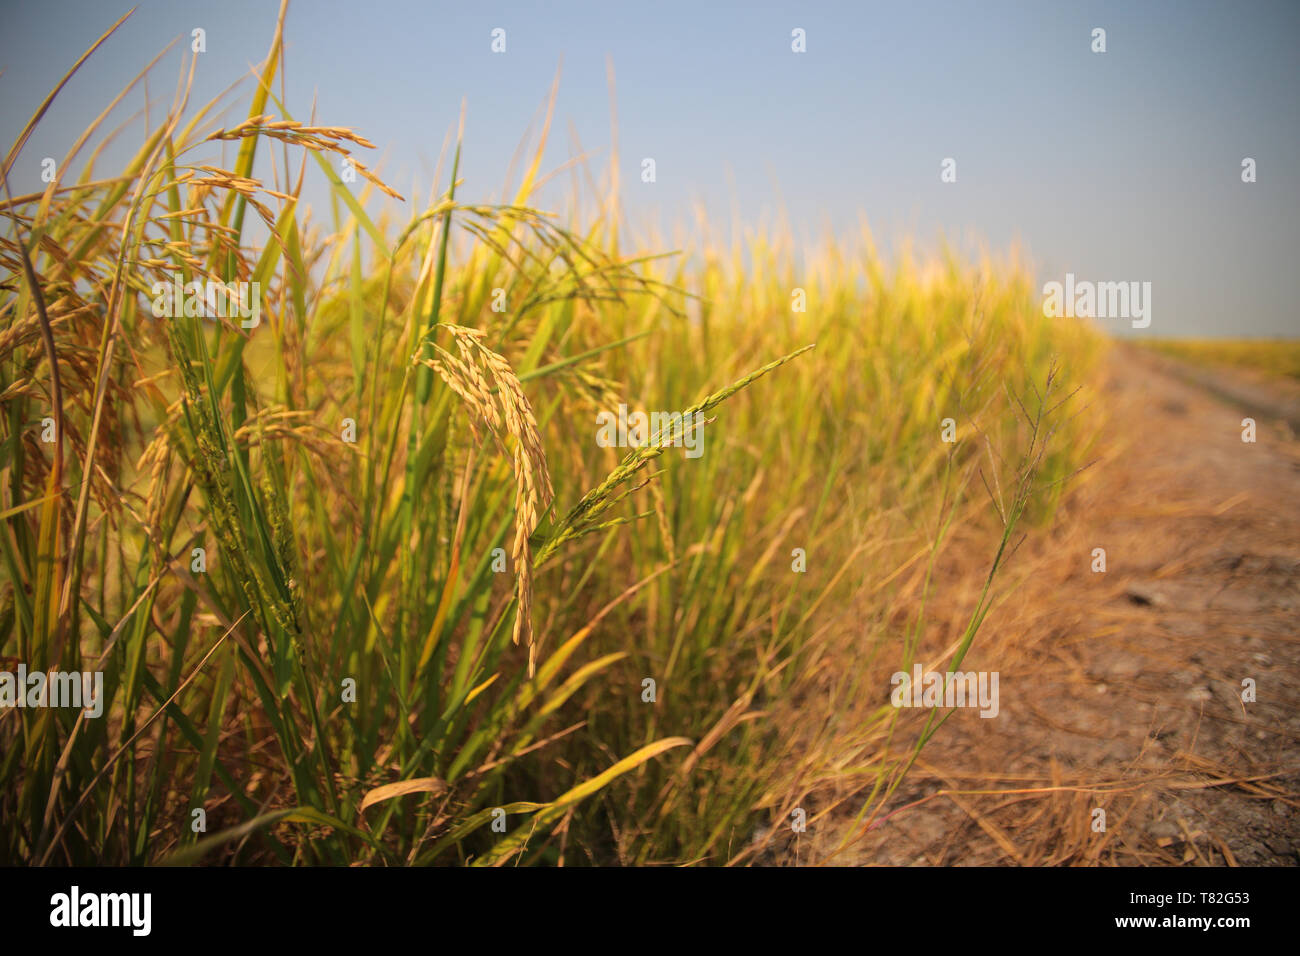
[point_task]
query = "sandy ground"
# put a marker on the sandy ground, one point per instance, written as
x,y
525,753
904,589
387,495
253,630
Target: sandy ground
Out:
x,y
1122,691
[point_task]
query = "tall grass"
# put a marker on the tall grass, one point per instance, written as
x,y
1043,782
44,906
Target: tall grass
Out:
x,y
353,678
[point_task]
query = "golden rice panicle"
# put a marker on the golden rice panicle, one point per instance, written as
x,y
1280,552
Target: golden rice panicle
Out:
x,y
485,381
322,139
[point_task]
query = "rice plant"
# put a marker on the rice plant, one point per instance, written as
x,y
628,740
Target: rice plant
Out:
x,y
362,585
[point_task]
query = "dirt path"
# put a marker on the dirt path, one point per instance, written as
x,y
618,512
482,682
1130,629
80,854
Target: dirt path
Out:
x,y
1122,691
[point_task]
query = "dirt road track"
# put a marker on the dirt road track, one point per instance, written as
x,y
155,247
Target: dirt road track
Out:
x,y
1121,691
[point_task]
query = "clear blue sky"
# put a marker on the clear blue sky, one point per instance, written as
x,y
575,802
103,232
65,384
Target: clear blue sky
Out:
x,y
1117,166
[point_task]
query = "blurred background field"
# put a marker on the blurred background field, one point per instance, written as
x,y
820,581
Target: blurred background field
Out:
x,y
1276,357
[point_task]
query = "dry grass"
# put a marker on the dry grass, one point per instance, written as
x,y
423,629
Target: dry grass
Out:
x,y
1120,689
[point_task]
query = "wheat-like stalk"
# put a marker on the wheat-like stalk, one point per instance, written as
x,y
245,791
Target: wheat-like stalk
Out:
x,y
325,139
485,381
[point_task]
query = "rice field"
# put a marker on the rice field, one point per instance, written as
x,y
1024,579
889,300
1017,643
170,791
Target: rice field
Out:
x,y
1278,358
323,496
